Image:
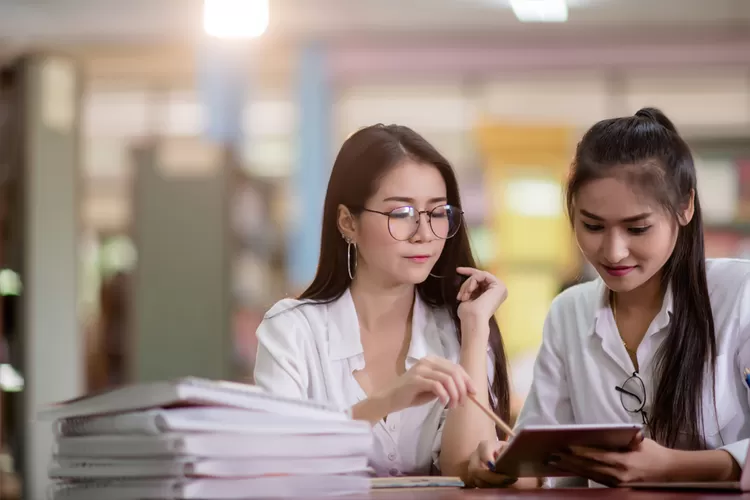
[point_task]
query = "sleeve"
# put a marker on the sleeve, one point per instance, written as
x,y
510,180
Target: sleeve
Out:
x,y
738,449
280,363
548,402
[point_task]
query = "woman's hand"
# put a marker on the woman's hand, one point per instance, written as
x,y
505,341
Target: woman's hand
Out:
x,y
479,296
479,474
430,378
645,461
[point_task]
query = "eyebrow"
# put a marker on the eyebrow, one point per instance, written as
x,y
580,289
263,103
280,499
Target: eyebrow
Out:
x,y
634,218
405,199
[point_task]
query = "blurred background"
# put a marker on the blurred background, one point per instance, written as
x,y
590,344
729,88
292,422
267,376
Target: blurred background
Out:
x,y
163,163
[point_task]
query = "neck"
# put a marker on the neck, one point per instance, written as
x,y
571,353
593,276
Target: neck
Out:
x,y
380,306
647,297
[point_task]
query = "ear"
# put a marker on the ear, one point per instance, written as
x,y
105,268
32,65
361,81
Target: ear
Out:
x,y
347,224
688,210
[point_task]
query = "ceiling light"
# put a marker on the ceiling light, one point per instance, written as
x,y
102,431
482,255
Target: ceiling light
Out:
x,y
235,18
540,11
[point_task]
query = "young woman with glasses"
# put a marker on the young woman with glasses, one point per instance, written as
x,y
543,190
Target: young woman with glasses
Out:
x,y
387,329
662,338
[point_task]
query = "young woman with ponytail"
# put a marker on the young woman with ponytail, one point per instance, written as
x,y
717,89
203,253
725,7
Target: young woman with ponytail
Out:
x,y
661,338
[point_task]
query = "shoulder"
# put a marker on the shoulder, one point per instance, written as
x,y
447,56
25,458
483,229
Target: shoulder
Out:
x,y
578,301
290,319
727,278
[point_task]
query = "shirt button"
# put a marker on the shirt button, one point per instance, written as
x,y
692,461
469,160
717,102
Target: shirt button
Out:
x,y
393,427
393,472
391,457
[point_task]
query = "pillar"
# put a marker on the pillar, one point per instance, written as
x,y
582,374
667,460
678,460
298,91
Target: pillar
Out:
x,y
310,175
46,120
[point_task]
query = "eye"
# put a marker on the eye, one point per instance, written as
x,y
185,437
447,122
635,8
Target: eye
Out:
x,y
638,230
402,213
592,227
440,212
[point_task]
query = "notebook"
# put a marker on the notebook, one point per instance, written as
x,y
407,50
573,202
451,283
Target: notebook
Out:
x,y
384,483
188,391
219,489
146,468
203,419
259,446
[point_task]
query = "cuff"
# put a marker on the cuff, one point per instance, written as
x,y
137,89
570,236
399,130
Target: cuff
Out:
x,y
738,451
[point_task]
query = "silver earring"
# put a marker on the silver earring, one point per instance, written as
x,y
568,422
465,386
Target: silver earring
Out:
x,y
349,258
436,276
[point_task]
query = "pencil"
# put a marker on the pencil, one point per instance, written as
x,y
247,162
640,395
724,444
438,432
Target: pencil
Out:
x,y
498,421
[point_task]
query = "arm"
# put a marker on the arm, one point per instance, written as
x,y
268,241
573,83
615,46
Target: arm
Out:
x,y
466,426
548,402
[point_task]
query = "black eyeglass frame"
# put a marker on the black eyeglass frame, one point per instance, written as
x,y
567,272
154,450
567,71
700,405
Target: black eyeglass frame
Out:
x,y
642,403
419,219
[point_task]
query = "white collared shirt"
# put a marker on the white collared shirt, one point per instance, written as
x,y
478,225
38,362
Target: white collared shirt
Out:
x,y
582,359
310,351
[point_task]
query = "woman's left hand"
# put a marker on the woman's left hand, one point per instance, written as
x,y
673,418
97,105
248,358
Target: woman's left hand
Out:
x,y
479,296
645,461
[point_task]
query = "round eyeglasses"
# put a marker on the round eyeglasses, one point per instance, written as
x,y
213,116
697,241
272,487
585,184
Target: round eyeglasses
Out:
x,y
403,222
633,396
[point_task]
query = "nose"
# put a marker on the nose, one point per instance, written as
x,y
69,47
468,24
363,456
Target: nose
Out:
x,y
615,247
424,232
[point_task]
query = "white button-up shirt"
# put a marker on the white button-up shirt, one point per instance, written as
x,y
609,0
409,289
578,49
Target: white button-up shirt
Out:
x,y
310,351
582,359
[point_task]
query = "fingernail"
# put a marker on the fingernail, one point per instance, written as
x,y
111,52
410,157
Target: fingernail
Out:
x,y
491,466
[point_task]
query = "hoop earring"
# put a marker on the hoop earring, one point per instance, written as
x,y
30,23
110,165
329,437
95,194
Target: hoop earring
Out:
x,y
436,276
349,259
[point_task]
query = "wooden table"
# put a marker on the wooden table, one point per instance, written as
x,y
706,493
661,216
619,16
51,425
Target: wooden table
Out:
x,y
545,494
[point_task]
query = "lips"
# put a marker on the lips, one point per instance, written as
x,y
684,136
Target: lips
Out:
x,y
618,271
419,258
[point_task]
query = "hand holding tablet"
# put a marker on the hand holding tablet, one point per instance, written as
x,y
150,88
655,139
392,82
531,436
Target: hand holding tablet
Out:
x,y
528,454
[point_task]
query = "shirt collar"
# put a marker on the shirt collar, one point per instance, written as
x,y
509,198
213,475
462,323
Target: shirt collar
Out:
x,y
603,312
344,336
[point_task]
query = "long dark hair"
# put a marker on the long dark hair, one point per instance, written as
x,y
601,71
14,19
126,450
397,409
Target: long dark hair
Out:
x,y
648,152
364,158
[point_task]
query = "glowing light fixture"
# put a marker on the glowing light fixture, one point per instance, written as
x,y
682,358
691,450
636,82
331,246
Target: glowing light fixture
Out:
x,y
235,18
540,11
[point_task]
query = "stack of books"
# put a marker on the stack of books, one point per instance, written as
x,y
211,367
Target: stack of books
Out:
x,y
194,438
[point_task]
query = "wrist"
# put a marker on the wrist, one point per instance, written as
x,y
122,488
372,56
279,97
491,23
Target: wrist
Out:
x,y
475,328
372,409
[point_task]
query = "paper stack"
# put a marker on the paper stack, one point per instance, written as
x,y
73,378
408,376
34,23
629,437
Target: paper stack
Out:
x,y
193,438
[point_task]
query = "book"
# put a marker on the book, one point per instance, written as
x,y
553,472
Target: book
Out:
x,y
188,391
217,445
218,489
203,419
146,468
416,482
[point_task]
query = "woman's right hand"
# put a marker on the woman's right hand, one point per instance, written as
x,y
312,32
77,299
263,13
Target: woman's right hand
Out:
x,y
430,378
479,474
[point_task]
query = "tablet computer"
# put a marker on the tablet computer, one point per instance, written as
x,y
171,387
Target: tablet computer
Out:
x,y
527,453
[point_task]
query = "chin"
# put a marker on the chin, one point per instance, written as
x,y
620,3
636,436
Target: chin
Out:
x,y
413,278
621,285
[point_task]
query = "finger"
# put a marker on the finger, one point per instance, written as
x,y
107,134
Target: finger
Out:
x,y
477,274
435,370
635,443
466,289
585,468
485,478
488,452
613,459
435,387
463,382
